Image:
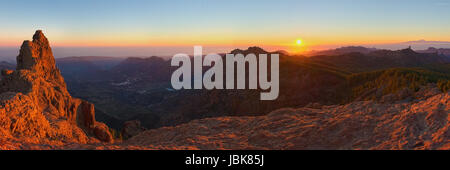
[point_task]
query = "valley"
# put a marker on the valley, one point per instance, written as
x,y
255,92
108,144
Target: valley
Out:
x,y
139,88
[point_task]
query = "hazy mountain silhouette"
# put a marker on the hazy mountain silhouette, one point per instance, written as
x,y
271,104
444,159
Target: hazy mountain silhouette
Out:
x,y
342,51
442,51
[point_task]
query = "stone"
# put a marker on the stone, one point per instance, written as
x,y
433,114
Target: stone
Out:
x,y
131,128
6,72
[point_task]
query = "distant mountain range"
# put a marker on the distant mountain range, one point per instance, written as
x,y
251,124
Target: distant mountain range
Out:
x,y
378,59
442,51
365,50
342,50
7,65
418,45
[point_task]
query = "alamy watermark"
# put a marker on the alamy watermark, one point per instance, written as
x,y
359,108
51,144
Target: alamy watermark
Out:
x,y
213,78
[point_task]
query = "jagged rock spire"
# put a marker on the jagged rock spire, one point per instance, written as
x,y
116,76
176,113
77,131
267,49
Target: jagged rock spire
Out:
x,y
39,37
36,55
45,99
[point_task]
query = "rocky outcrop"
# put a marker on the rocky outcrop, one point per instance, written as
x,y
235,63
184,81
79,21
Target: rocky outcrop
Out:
x,y
36,106
419,123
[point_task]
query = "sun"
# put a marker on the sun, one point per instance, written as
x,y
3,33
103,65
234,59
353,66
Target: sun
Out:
x,y
299,42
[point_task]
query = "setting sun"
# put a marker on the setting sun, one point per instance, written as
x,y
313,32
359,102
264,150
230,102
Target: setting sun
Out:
x,y
299,42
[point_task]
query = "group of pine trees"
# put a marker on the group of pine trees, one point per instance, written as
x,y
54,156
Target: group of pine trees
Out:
x,y
395,79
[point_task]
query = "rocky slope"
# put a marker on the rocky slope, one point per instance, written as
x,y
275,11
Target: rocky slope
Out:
x,y
36,108
421,122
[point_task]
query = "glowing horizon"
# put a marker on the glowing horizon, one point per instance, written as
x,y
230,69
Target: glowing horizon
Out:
x,y
217,40
321,24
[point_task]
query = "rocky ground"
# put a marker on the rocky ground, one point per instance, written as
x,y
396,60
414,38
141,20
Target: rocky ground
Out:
x,y
419,123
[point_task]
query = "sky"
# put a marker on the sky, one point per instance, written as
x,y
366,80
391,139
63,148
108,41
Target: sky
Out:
x,y
162,27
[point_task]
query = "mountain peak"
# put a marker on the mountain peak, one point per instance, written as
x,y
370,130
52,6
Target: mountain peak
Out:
x,y
408,51
37,56
39,37
255,50
38,87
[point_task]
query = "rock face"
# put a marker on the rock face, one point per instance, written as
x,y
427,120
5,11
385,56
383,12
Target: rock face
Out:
x,y
420,123
36,106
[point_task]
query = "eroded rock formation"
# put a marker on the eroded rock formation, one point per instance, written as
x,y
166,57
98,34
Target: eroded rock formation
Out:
x,y
36,106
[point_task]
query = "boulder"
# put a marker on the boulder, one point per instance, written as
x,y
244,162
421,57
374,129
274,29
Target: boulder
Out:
x,y
131,128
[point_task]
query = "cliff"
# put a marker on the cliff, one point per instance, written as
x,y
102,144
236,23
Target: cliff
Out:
x,y
35,106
